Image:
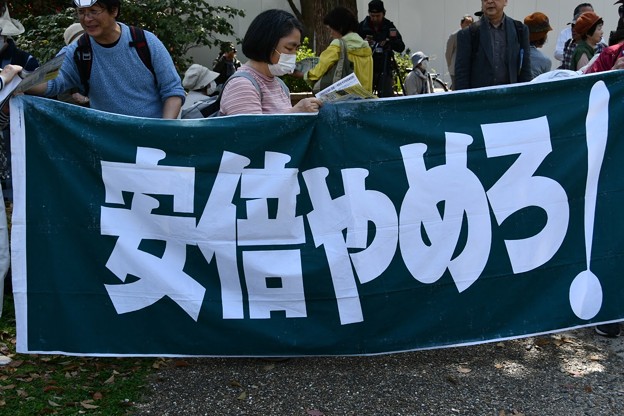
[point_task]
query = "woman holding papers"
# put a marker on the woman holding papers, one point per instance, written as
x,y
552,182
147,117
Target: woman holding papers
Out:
x,y
271,44
343,26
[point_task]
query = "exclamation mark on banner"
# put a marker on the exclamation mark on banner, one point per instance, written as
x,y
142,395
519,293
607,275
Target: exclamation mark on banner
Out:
x,y
586,291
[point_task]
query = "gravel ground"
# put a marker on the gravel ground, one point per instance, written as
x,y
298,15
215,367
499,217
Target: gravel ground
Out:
x,y
570,373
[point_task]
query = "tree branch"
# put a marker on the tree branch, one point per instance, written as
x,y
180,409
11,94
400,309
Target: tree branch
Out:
x,y
295,10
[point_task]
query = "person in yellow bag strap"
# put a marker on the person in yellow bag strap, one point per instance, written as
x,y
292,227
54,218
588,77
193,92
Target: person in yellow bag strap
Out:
x,y
343,25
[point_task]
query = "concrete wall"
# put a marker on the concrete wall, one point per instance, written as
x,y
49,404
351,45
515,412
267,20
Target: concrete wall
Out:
x,y
426,25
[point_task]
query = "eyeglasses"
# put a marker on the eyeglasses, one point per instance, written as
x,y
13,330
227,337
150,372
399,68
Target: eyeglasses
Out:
x,y
92,14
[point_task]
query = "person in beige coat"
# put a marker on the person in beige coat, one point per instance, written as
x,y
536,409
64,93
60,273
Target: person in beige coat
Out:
x,y
451,47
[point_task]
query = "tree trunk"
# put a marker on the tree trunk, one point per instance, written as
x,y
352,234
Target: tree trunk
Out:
x,y
312,14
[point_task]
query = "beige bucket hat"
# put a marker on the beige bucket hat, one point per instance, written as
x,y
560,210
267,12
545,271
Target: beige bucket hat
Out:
x,y
8,26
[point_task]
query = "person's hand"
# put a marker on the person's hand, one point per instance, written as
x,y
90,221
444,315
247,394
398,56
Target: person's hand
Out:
x,y
80,99
307,105
9,72
619,64
297,74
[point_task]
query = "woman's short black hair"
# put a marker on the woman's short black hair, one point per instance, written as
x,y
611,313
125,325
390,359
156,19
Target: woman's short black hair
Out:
x,y
265,31
341,20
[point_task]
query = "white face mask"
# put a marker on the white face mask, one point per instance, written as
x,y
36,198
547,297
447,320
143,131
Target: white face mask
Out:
x,y
212,87
285,65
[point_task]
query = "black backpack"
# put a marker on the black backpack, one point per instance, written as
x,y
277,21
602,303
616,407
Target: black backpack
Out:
x,y
83,55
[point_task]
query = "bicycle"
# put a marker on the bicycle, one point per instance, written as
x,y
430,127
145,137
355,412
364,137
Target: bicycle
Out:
x,y
438,83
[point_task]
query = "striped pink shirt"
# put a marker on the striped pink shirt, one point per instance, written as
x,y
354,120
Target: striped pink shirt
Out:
x,y
241,97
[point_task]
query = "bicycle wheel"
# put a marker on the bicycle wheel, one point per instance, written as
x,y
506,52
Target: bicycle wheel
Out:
x,y
439,85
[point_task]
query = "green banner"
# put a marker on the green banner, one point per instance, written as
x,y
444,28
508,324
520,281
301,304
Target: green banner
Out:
x,y
372,227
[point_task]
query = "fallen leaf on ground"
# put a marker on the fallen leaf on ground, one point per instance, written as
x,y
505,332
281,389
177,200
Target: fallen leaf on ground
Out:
x,y
53,404
242,396
88,405
314,412
97,396
464,370
110,380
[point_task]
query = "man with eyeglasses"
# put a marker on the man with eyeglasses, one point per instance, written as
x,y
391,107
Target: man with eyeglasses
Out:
x,y
119,81
492,51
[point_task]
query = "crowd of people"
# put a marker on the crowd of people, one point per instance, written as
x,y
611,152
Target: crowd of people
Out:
x,y
511,52
107,70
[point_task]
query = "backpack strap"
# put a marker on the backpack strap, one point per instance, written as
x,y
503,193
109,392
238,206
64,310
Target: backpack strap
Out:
x,y
237,74
140,44
283,85
83,57
343,62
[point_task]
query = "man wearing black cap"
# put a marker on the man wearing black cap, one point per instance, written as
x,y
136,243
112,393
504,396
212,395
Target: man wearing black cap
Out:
x,y
493,51
384,38
226,64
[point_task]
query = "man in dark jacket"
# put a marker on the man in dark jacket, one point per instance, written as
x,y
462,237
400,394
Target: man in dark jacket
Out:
x,y
226,64
493,51
384,38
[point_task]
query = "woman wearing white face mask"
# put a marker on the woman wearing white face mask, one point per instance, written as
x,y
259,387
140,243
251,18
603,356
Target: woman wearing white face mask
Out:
x,y
271,44
200,83
418,81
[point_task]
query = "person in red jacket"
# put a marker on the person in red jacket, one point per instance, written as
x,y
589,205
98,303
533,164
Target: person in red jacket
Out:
x,y
613,56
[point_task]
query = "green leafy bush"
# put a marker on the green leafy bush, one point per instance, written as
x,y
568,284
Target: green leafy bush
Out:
x,y
43,37
180,24
298,84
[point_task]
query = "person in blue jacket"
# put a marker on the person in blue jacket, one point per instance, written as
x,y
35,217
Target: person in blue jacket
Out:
x,y
119,82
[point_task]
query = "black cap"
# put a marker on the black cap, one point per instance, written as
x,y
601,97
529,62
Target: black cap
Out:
x,y
227,47
376,6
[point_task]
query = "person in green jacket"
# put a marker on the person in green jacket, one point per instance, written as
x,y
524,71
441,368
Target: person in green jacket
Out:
x,y
587,33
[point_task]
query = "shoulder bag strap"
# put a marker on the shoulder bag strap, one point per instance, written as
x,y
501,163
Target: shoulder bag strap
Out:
x,y
341,64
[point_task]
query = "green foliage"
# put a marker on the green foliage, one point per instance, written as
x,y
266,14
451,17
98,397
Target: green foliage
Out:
x,y
298,84
19,9
44,34
180,24
404,63
61,385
